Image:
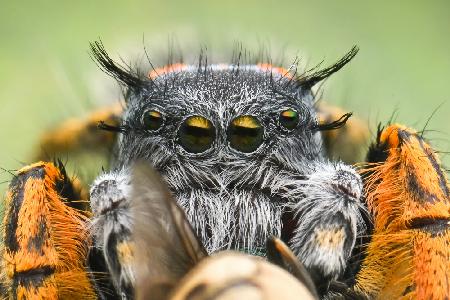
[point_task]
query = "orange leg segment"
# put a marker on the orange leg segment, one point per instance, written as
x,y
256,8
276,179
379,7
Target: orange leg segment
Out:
x,y
45,240
80,134
349,143
408,194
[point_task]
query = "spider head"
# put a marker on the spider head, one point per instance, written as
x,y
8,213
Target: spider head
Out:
x,y
210,127
237,146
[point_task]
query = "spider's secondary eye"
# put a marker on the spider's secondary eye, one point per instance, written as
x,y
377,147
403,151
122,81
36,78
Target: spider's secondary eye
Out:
x,y
196,134
152,120
245,133
289,119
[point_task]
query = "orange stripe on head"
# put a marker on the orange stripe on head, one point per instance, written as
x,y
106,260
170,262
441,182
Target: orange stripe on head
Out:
x,y
276,70
166,70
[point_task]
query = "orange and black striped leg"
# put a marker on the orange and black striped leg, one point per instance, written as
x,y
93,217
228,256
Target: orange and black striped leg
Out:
x,y
407,191
75,135
45,239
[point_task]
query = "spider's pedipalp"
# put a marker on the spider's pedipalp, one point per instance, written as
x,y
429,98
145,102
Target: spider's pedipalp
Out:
x,y
112,227
326,206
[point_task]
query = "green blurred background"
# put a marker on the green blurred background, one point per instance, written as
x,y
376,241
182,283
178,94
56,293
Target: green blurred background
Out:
x,y
46,74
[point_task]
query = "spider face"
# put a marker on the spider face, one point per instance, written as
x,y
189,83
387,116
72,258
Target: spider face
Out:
x,y
240,148
220,139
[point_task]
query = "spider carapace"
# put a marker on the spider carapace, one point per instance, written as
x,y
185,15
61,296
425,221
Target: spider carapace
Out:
x,y
214,157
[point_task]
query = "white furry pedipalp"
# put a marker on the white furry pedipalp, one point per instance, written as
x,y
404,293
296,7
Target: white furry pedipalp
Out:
x,y
112,225
328,217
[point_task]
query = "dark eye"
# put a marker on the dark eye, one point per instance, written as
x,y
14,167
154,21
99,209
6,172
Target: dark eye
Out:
x,y
152,120
245,133
196,134
289,119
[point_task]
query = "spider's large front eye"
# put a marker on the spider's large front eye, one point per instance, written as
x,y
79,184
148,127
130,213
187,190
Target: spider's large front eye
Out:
x,y
152,120
245,133
289,119
196,134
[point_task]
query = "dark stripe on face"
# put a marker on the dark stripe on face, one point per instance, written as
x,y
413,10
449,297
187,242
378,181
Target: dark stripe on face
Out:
x,y
17,187
111,252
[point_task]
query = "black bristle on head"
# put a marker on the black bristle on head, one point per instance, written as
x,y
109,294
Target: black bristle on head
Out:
x,y
310,80
112,128
109,66
335,124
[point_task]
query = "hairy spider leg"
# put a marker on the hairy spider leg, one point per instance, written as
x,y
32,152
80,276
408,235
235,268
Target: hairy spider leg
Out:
x,y
45,239
408,195
76,134
350,142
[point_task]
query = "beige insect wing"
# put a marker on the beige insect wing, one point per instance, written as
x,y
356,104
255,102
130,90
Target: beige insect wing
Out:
x,y
231,275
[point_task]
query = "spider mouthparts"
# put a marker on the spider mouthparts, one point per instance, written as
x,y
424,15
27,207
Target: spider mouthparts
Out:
x,y
113,205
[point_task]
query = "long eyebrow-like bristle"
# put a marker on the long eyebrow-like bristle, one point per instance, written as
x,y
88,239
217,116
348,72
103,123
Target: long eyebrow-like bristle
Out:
x,y
110,67
334,124
310,80
112,128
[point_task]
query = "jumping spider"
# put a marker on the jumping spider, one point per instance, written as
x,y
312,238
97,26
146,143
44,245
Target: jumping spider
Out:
x,y
241,150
